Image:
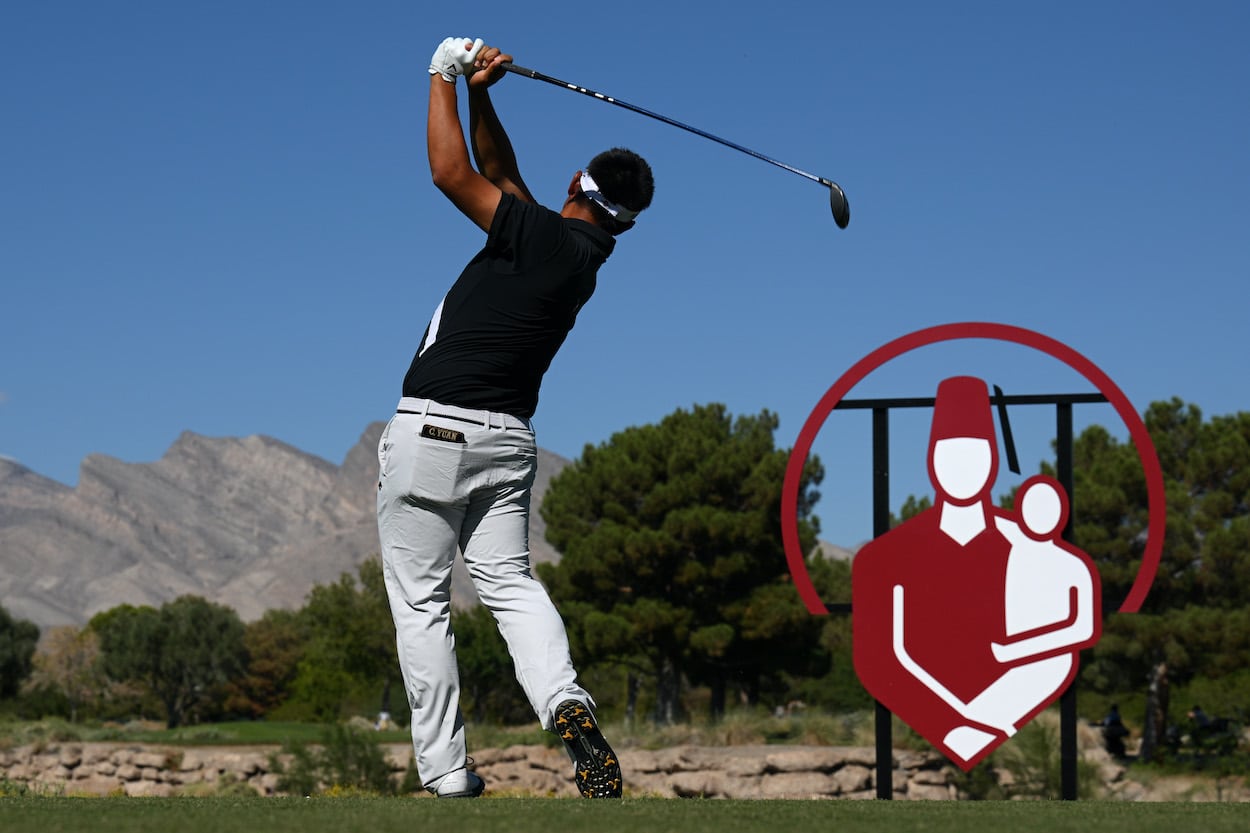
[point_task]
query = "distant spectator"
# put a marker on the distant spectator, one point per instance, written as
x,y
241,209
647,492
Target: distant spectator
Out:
x,y
1114,732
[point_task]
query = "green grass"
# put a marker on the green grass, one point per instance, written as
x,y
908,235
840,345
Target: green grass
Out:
x,y
736,728
241,732
246,732
523,815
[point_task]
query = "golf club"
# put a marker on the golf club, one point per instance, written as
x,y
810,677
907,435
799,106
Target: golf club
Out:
x,y
837,199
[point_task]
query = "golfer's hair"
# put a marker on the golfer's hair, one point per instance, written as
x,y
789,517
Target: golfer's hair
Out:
x,y
625,178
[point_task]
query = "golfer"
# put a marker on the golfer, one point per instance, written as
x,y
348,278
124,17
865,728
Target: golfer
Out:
x,y
457,459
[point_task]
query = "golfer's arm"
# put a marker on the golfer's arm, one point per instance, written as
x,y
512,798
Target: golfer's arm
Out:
x,y
491,147
450,169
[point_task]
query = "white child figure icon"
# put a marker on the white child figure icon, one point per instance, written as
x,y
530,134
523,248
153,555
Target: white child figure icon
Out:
x,y
1052,598
1052,610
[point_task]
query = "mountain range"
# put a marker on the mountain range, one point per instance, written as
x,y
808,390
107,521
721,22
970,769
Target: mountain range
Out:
x,y
252,523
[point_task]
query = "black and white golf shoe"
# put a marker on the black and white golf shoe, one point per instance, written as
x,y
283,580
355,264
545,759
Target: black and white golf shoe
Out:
x,y
596,771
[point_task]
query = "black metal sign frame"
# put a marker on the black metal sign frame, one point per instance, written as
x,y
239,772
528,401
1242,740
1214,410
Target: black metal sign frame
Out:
x,y
881,524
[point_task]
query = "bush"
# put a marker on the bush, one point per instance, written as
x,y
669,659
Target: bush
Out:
x,y
1028,766
348,760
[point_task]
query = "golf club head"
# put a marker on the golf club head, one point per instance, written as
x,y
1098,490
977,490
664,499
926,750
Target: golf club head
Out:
x,y
841,208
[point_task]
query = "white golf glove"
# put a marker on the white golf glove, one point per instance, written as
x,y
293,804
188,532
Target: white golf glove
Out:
x,y
454,58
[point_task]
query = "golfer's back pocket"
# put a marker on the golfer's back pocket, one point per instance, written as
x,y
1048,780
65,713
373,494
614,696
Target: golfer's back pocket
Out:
x,y
426,463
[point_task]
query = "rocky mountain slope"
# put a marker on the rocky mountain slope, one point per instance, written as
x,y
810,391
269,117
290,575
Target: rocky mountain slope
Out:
x,y
252,523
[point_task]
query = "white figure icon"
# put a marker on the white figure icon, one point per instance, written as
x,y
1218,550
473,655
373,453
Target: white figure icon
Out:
x,y
1049,598
1050,589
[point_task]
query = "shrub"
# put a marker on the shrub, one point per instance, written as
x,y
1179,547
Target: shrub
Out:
x,y
348,761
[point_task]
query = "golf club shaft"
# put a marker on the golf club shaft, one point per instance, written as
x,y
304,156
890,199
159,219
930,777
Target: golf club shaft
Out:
x,y
530,73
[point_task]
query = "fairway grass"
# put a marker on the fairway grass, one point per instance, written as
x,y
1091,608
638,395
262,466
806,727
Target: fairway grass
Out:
x,y
43,814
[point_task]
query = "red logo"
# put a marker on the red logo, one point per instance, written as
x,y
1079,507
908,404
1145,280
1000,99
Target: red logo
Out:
x,y
968,619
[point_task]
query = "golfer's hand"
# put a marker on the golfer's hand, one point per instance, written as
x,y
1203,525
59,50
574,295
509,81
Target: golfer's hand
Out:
x,y
488,67
454,57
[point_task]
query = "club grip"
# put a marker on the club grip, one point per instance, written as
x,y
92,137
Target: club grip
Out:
x,y
520,70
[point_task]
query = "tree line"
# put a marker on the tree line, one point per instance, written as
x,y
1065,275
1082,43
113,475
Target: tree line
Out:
x,y
674,587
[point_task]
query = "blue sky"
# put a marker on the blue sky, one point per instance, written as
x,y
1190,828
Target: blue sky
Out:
x,y
218,217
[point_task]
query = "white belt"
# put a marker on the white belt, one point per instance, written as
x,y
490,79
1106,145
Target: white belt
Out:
x,y
490,419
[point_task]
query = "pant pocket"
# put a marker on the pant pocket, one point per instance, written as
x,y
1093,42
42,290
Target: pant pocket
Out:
x,y
425,467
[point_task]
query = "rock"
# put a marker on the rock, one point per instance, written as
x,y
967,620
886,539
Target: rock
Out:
x,y
195,758
860,756
930,777
242,764
53,775
804,759
489,757
852,778
94,785
398,755
151,760
747,772
639,760
551,760
648,784
743,766
510,773
928,792
702,784
269,783
797,785
45,761
137,789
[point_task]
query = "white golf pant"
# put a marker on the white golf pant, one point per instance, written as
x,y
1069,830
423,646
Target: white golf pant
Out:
x,y
453,477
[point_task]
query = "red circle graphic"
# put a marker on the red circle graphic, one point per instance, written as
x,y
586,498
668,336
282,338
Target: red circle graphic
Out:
x,y
997,332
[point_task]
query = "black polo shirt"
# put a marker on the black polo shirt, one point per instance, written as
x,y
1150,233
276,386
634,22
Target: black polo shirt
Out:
x,y
496,331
